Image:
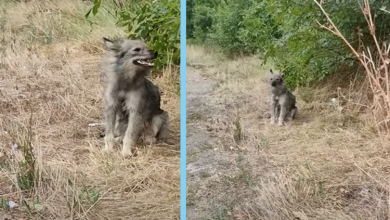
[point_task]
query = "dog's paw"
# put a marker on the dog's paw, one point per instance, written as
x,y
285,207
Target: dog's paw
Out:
x,y
280,124
109,142
150,140
107,150
126,151
119,139
127,154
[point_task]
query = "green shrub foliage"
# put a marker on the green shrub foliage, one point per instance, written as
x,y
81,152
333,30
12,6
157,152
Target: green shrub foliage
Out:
x,y
287,31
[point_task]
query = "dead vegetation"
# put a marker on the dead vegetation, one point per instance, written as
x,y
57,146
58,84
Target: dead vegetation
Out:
x,y
375,63
49,82
328,164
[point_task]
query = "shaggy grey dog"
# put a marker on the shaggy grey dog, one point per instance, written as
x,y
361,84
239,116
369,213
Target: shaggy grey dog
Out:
x,y
131,102
282,100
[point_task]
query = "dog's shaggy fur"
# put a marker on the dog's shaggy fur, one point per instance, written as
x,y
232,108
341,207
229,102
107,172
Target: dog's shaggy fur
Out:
x,y
282,100
131,101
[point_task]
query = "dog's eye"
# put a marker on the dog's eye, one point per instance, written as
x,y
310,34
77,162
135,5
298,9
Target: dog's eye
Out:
x,y
137,49
271,78
121,55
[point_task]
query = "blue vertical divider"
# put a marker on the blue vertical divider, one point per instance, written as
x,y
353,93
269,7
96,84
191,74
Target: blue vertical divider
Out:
x,y
183,110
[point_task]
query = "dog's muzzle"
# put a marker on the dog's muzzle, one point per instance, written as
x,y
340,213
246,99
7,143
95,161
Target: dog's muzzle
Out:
x,y
147,62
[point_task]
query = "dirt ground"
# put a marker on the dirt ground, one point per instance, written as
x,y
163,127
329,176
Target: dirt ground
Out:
x,y
49,55
326,164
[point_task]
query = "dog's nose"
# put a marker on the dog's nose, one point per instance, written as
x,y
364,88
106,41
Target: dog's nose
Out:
x,y
154,53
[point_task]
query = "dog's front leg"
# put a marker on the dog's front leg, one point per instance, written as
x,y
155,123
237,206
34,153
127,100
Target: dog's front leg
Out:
x,y
273,106
282,116
122,122
132,133
110,119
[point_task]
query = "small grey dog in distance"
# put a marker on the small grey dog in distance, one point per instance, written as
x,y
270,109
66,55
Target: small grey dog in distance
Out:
x,y
282,100
131,102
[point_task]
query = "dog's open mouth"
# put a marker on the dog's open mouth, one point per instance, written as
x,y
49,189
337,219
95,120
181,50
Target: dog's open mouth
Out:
x,y
143,62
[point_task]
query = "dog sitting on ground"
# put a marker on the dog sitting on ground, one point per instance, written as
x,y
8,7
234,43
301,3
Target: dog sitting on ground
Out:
x,y
131,101
282,100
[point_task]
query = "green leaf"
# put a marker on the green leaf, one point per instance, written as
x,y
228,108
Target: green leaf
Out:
x,y
96,7
38,206
87,14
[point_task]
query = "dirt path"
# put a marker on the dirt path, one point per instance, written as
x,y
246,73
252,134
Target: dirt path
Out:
x,y
198,138
211,153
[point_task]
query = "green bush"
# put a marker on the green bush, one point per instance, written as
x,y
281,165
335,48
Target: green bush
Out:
x,y
287,31
305,52
189,16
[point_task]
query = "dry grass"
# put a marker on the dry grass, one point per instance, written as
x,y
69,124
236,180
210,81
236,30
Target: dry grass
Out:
x,y
375,63
325,165
48,65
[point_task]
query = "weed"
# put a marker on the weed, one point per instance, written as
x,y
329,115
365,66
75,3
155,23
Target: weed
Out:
x,y
204,174
246,176
177,88
4,204
191,194
220,213
26,176
237,132
92,194
196,116
264,143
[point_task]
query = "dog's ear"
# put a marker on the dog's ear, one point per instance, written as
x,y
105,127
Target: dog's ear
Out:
x,y
111,44
282,75
271,71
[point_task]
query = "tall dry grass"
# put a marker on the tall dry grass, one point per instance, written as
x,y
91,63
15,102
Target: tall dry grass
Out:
x,y
375,63
49,55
